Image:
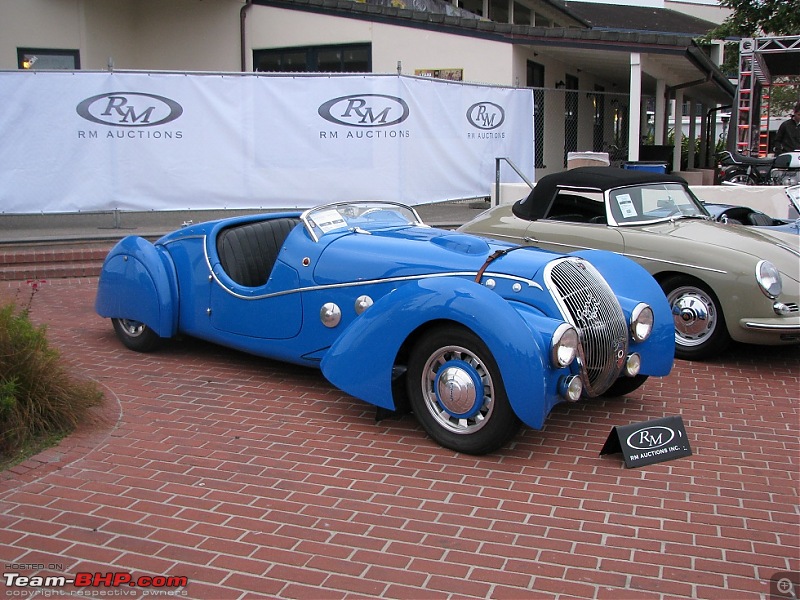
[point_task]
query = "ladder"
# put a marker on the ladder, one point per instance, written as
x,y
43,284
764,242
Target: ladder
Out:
x,y
748,123
755,89
763,130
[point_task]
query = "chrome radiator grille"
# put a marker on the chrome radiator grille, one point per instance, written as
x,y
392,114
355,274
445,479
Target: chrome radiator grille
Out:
x,y
588,303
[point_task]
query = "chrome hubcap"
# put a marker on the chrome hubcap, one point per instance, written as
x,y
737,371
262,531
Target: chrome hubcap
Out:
x,y
458,390
694,314
132,328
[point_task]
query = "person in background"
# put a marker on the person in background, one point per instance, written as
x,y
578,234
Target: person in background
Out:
x,y
788,136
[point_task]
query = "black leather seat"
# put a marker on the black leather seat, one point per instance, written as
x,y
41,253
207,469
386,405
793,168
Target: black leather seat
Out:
x,y
248,252
576,209
757,218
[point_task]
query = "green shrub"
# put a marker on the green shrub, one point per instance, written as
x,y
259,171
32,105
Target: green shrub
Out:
x,y
39,399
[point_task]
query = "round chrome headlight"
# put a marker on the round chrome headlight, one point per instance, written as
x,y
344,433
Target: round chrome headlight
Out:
x,y
564,346
769,279
641,322
633,364
570,388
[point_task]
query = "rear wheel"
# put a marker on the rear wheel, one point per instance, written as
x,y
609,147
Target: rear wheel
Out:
x,y
136,335
741,179
700,330
457,394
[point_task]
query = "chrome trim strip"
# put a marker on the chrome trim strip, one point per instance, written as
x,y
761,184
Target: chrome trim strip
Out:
x,y
196,236
672,262
780,244
314,288
769,327
517,239
633,256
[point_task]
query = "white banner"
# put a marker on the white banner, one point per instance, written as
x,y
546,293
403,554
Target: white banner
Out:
x,y
86,141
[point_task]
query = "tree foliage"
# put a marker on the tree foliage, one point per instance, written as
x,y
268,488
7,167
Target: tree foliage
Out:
x,y
760,18
756,18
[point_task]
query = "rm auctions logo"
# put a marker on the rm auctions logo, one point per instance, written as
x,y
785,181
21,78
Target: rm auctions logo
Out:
x,y
129,109
365,110
651,438
486,115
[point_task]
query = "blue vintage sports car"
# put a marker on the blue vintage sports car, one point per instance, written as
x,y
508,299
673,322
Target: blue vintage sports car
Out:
x,y
473,336
744,215
747,215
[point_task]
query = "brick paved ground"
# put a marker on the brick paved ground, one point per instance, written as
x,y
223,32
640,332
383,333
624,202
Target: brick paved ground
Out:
x,y
256,479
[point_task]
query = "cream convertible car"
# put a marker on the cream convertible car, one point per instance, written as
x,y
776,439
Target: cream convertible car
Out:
x,y
723,281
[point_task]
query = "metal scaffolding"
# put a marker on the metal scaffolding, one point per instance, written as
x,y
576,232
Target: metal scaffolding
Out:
x,y
761,60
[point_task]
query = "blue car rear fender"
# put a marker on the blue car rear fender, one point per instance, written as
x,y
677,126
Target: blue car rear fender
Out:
x,y
137,282
361,360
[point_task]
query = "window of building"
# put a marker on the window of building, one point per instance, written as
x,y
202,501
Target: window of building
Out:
x,y
619,116
539,20
522,14
473,6
498,11
345,58
599,118
280,61
48,59
535,79
518,12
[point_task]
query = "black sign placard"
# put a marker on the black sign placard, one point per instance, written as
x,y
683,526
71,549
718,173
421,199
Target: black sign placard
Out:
x,y
649,442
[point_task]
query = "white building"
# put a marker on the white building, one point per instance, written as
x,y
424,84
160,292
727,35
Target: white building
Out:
x,y
594,68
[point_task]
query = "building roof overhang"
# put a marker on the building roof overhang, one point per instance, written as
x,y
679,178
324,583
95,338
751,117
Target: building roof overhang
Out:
x,y
675,58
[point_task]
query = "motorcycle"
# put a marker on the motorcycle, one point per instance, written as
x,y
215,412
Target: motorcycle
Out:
x,y
783,169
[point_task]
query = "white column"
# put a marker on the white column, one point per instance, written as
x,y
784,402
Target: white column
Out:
x,y
635,107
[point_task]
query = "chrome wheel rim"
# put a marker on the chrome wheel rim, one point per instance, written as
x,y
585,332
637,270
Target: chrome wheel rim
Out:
x,y
132,328
746,179
458,390
695,315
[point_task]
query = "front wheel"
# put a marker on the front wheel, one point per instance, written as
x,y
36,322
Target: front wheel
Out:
x,y
457,394
624,386
136,335
700,330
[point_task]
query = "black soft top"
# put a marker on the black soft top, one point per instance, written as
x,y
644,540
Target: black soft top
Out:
x,y
592,179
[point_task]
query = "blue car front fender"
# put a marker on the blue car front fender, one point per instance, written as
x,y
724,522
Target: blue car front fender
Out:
x,y
361,360
138,282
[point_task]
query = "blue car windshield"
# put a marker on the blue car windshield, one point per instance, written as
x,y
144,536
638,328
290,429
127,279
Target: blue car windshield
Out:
x,y
793,192
656,202
357,216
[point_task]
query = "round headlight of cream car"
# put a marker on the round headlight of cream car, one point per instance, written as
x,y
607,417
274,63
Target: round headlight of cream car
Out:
x,y
564,346
641,322
769,279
